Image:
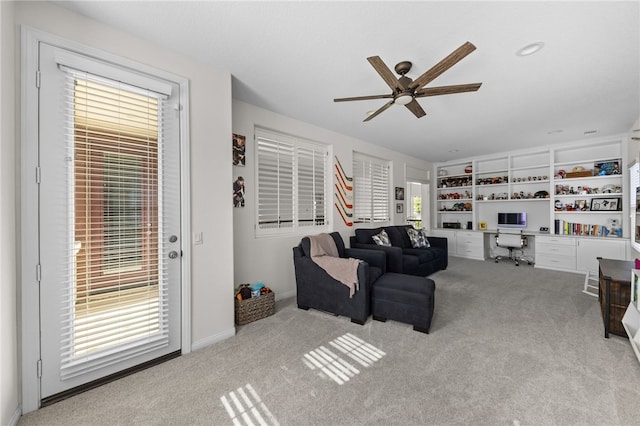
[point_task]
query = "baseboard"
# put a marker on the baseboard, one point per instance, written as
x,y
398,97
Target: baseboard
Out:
x,y
219,337
285,294
13,421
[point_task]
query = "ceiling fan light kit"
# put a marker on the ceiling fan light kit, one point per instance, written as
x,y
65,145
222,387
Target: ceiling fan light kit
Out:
x,y
530,48
403,98
404,90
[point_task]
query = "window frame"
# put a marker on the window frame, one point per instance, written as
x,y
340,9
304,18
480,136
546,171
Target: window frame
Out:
x,y
378,203
300,148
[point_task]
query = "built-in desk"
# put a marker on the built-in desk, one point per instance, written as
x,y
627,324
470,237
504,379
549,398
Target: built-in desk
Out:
x,y
570,253
528,251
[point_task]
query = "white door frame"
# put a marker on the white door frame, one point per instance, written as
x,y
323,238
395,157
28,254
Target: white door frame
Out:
x,y
29,270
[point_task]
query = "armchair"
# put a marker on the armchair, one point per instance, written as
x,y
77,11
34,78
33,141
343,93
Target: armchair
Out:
x,y
317,289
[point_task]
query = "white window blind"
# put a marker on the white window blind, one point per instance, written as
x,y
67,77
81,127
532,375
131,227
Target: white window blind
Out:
x,y
371,188
291,183
116,303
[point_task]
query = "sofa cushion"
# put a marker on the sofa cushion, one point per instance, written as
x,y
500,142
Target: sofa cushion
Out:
x,y
382,239
374,274
418,237
398,236
363,235
423,254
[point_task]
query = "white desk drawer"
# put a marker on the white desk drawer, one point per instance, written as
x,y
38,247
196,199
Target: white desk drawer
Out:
x,y
557,262
478,236
566,241
555,250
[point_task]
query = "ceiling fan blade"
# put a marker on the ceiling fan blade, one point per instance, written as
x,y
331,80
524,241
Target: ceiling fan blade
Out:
x,y
447,90
363,98
381,109
416,109
453,58
384,72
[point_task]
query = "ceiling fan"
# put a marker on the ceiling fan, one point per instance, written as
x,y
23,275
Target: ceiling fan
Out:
x,y
405,90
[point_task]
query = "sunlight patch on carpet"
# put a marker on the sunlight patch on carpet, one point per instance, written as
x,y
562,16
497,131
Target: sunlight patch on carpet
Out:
x,y
332,365
249,408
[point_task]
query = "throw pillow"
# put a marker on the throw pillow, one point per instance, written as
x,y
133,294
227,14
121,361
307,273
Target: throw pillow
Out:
x,y
418,238
382,239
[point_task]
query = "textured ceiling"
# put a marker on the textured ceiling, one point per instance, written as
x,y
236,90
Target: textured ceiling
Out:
x,y
293,58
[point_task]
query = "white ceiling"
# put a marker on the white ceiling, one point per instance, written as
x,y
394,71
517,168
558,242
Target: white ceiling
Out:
x,y
293,58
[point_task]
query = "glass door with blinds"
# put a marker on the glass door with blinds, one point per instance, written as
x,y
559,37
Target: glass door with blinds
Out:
x,y
109,209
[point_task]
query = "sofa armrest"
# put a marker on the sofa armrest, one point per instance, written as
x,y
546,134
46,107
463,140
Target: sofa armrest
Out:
x,y
393,254
375,258
440,242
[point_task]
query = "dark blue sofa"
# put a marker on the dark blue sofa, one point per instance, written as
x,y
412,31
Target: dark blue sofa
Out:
x,y
401,257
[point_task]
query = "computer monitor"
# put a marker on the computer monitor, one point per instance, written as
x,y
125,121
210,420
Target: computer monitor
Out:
x,y
512,220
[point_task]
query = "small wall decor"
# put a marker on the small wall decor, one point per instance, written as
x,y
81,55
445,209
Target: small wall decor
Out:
x,y
343,194
399,193
606,168
482,226
238,192
598,204
399,208
238,150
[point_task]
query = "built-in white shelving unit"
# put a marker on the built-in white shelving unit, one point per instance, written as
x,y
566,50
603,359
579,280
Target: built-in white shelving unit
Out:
x,y
561,189
575,191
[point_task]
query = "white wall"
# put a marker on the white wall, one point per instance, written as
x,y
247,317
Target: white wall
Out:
x,y
270,259
210,138
9,365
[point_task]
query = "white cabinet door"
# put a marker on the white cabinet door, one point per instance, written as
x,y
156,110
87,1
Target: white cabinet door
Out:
x,y
589,249
451,239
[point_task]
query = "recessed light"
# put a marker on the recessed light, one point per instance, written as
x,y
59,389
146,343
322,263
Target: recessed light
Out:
x,y
530,48
590,132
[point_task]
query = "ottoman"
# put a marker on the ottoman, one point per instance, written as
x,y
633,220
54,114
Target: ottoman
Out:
x,y
404,298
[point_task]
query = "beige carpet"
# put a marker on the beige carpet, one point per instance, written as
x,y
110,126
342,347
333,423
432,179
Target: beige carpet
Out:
x,y
508,346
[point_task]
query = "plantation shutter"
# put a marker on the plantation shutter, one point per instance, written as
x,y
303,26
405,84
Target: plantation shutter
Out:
x,y
275,183
312,166
371,188
116,304
291,182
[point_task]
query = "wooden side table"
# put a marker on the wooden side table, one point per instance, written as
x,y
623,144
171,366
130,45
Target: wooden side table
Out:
x,y
614,293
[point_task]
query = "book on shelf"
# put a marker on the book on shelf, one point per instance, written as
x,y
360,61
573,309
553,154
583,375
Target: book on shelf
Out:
x,y
563,227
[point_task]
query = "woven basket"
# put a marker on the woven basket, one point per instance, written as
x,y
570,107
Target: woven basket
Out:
x,y
255,308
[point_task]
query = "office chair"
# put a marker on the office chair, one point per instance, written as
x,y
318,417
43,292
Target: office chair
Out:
x,y
512,242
